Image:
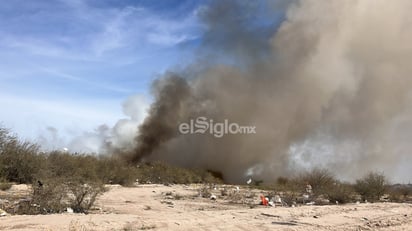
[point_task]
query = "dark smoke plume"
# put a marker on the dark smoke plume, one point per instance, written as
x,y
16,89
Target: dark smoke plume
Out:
x,y
160,126
330,86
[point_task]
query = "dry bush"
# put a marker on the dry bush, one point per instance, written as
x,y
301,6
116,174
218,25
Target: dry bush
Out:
x,y
371,187
48,198
83,195
321,180
281,181
400,192
22,162
5,186
161,173
205,191
340,192
19,161
55,195
112,170
109,170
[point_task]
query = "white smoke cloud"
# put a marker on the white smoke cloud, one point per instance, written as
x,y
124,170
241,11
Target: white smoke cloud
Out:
x,y
103,138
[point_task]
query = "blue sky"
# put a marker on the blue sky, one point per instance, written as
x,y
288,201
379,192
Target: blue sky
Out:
x,y
69,64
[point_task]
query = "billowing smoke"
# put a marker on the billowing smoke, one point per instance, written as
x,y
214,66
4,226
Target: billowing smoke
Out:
x,y
104,139
160,126
330,86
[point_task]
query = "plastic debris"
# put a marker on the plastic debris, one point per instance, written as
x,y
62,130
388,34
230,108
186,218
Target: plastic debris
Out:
x,y
3,213
264,200
249,181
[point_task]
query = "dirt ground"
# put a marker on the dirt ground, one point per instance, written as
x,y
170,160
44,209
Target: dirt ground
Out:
x,y
179,207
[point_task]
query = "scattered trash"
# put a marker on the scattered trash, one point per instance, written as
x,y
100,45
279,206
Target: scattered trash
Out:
x,y
264,200
315,216
364,218
249,181
3,213
277,199
213,197
69,210
308,188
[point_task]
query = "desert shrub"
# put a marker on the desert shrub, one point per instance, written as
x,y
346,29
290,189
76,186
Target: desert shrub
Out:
x,y
61,164
371,187
55,195
282,181
113,170
205,191
83,195
400,192
321,180
162,173
19,161
5,186
340,192
49,197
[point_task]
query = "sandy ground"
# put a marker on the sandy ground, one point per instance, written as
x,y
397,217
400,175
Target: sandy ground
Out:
x,y
179,207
